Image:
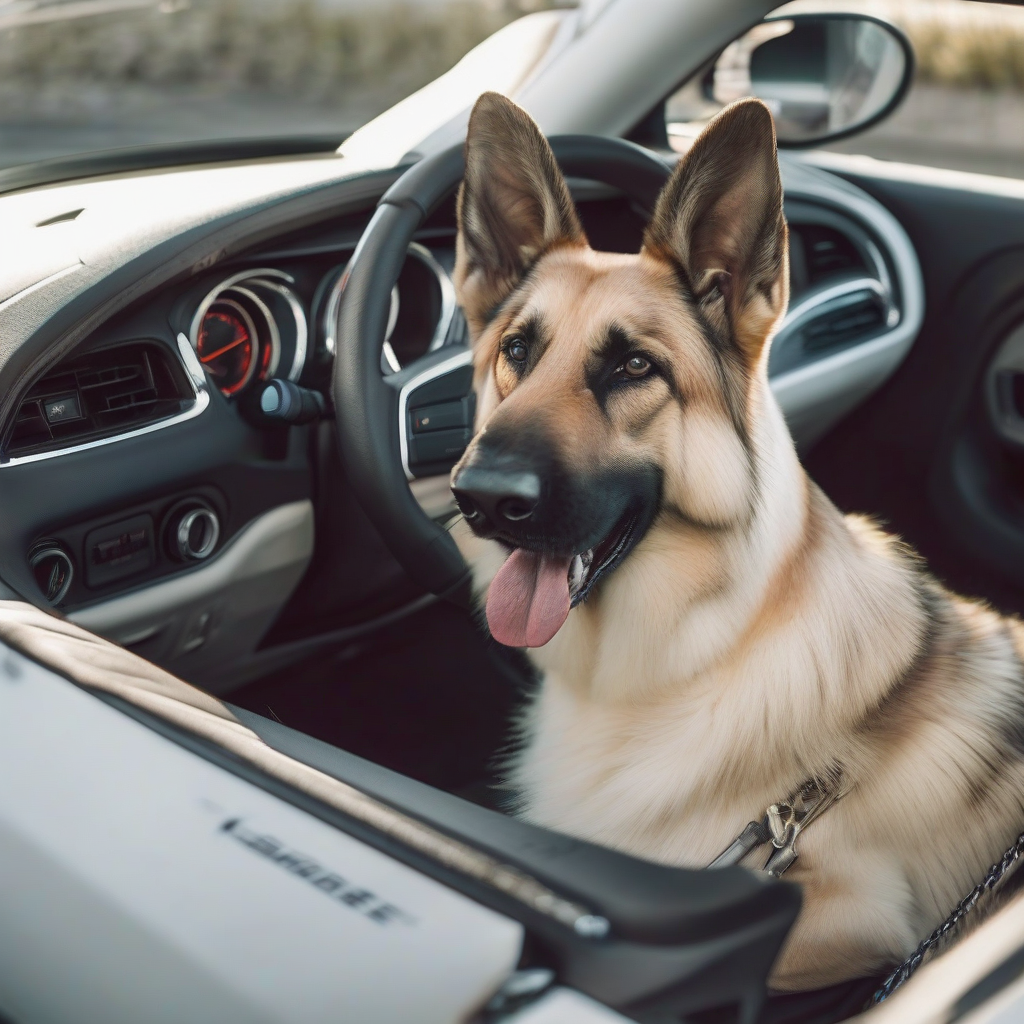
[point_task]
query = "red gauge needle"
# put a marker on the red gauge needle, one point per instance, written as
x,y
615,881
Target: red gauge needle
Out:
x,y
221,351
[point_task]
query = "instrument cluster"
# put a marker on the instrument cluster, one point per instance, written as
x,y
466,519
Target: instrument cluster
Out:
x,y
280,322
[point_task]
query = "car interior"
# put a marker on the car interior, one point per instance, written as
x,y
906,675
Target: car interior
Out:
x,y
352,630
181,472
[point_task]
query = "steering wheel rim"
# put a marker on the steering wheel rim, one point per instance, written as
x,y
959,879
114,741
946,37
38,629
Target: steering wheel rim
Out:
x,y
367,403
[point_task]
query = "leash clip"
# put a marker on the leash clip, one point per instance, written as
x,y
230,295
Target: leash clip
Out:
x,y
782,824
787,821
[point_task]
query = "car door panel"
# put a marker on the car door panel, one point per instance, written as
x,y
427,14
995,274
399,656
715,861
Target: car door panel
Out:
x,y
923,454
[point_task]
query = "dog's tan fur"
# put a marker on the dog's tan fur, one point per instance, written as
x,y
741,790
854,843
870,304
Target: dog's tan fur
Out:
x,y
755,637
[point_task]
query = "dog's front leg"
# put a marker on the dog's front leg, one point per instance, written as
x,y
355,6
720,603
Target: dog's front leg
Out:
x,y
853,924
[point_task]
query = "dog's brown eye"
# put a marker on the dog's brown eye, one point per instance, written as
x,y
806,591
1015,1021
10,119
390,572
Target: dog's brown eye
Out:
x,y
517,350
637,366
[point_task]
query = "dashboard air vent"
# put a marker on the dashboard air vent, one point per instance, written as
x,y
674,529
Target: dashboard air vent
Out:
x,y
818,252
858,314
97,395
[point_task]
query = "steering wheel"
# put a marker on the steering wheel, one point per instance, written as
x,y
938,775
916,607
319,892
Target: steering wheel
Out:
x,y
380,419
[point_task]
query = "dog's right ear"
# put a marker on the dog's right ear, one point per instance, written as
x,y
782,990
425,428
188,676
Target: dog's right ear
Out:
x,y
513,206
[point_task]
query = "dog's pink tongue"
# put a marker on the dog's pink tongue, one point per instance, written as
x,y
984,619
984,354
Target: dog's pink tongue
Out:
x,y
529,599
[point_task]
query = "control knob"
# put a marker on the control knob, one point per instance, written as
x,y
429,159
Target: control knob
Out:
x,y
53,570
286,401
194,533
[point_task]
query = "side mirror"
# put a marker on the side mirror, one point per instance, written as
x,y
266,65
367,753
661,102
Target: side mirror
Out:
x,y
823,76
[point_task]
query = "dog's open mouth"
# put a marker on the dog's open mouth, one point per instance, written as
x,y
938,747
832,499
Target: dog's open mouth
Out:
x,y
533,592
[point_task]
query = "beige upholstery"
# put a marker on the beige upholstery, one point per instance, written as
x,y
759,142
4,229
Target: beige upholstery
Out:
x,y
98,664
91,661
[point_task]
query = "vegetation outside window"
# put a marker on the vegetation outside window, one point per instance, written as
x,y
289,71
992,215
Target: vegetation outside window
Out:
x,y
111,74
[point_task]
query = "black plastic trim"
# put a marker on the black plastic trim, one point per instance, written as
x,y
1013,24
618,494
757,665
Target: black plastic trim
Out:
x,y
144,158
681,939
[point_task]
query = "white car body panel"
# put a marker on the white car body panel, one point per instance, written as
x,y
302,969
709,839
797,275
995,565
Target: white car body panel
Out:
x,y
564,1006
119,872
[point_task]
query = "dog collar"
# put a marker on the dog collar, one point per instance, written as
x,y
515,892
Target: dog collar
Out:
x,y
782,824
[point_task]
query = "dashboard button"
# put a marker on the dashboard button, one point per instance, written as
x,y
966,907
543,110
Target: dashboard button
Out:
x,y
438,446
62,409
119,550
443,416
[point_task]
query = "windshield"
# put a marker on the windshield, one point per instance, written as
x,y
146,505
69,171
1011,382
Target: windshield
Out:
x,y
81,76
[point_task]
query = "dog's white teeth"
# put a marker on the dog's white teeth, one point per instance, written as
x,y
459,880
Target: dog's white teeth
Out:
x,y
577,574
579,569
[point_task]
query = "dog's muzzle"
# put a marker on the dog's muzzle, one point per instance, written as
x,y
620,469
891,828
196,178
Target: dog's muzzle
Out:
x,y
565,530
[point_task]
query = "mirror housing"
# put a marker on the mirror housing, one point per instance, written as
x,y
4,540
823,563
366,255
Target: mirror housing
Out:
x,y
823,76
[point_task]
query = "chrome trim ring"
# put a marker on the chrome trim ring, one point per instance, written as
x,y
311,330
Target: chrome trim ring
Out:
x,y
463,357
449,303
272,329
329,319
221,286
272,280
390,363
390,360
54,551
188,520
301,325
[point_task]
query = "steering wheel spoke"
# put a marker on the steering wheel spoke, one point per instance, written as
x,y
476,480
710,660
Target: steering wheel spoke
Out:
x,y
435,410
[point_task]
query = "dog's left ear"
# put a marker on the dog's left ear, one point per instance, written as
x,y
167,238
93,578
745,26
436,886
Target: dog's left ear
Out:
x,y
513,205
720,220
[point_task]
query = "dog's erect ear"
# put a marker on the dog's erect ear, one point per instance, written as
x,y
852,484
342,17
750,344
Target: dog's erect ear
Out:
x,y
513,205
720,220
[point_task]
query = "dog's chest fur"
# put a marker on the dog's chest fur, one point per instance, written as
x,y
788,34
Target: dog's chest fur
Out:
x,y
643,781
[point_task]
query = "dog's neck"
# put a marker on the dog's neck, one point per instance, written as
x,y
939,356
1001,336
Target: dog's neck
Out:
x,y
769,620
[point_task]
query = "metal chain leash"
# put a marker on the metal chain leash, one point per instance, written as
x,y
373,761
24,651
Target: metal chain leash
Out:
x,y
966,905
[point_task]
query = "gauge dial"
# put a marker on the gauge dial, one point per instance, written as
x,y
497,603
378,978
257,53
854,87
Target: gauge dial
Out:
x,y
250,327
227,345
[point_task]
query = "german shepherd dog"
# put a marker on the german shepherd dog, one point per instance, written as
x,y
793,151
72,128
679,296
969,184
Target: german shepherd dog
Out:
x,y
710,631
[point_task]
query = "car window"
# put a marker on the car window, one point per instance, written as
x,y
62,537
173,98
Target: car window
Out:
x,y
79,76
965,107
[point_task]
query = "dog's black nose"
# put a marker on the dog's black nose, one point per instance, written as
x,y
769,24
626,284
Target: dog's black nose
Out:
x,y
500,495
